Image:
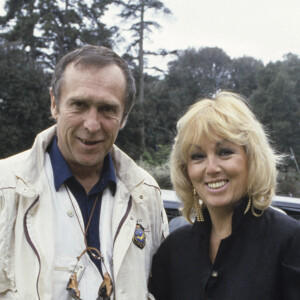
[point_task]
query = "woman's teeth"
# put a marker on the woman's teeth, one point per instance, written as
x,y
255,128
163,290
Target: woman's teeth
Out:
x,y
216,185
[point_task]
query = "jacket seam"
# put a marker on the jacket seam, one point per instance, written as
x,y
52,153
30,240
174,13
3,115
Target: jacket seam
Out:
x,y
123,219
154,186
7,188
31,243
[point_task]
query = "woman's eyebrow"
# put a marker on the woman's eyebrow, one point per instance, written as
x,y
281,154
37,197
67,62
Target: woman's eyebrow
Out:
x,y
193,146
222,142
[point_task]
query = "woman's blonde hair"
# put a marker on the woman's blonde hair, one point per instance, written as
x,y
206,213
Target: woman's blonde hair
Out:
x,y
228,117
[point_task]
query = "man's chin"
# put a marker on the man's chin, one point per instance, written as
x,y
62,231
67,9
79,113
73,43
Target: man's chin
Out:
x,y
89,163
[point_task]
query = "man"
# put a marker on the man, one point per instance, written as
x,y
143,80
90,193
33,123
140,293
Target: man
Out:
x,y
75,211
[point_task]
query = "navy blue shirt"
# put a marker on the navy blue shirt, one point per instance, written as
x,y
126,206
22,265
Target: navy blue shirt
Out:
x,y
63,175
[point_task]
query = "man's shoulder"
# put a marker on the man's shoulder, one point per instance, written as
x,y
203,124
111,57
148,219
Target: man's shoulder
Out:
x,y
129,171
9,165
19,157
10,162
28,160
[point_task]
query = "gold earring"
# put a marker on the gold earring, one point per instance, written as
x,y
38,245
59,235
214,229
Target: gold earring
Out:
x,y
197,207
248,206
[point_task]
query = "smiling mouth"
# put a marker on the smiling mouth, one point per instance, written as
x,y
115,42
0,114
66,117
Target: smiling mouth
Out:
x,y
86,142
217,185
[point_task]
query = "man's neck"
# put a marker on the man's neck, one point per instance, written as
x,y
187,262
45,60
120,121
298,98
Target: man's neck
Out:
x,y
86,176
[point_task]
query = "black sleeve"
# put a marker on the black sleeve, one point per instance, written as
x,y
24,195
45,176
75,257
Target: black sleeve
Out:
x,y
290,265
159,281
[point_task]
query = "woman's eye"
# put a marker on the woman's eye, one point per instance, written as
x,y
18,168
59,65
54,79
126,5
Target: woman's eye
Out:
x,y
225,152
197,156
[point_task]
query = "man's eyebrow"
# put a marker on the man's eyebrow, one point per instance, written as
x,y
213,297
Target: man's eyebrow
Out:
x,y
76,99
107,104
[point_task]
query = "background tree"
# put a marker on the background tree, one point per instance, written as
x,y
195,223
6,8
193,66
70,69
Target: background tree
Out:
x,y
243,75
35,33
196,74
19,24
47,29
24,101
68,24
136,11
276,103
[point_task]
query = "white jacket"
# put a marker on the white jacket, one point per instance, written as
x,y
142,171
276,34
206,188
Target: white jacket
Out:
x,y
27,234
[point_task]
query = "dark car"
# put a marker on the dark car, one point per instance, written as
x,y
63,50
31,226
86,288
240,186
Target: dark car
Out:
x,y
172,204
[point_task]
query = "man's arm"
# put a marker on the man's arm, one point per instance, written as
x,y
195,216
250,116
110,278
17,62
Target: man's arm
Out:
x,y
7,221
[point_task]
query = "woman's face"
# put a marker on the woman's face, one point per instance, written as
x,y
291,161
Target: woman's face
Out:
x,y
218,171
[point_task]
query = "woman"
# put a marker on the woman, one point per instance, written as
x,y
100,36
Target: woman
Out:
x,y
224,170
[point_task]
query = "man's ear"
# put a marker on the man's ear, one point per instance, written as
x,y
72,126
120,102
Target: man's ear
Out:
x,y
54,108
123,122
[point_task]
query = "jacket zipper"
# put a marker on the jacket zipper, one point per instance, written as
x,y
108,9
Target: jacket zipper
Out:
x,y
31,243
124,218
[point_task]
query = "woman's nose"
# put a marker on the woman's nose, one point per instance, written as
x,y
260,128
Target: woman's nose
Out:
x,y
212,166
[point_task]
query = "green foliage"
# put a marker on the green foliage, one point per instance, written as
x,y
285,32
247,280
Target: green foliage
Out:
x,y
136,12
161,173
289,183
160,114
35,33
197,74
48,29
158,156
24,101
276,102
130,138
243,74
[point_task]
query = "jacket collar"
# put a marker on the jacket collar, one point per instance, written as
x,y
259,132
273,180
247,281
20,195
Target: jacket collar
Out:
x,y
31,166
239,214
32,161
128,171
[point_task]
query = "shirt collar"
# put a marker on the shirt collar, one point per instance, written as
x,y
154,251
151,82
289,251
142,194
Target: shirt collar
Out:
x,y
62,172
109,174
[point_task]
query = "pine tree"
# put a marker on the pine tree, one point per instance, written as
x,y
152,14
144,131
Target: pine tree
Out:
x,y
135,11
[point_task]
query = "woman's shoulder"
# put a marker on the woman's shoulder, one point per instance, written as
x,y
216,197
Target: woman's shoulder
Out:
x,y
179,235
177,222
182,230
281,222
176,242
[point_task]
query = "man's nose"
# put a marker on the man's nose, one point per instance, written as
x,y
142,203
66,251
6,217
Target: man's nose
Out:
x,y
92,121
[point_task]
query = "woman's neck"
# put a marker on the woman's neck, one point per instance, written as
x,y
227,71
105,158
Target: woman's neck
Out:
x,y
220,229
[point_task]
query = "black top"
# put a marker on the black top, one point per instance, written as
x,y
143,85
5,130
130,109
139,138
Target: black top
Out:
x,y
259,260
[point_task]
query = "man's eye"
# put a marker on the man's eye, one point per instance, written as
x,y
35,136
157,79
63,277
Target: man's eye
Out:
x,y
225,152
108,108
79,104
197,156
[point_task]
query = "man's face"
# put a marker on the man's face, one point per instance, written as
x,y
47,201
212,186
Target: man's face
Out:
x,y
89,115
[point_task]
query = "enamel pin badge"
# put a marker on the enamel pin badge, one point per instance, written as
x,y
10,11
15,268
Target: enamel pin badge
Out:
x,y
139,237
